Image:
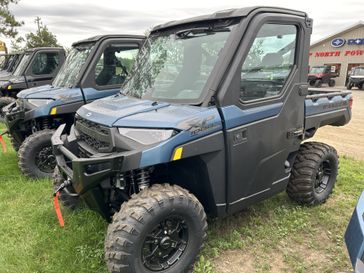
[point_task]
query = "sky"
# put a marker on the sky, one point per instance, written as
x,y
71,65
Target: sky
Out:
x,y
74,20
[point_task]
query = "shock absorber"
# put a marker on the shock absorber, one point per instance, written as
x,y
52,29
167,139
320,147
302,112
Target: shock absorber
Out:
x,y
142,178
45,123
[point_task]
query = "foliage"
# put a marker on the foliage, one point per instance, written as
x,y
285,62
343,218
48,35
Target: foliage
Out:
x,y
43,37
8,23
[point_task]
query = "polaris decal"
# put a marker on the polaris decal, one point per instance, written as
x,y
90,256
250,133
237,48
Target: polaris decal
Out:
x,y
338,42
199,125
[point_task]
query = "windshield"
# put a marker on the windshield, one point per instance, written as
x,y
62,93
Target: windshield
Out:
x,y
22,65
68,74
175,65
359,71
317,69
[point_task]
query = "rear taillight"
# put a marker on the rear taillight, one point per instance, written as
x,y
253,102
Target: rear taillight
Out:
x,y
351,103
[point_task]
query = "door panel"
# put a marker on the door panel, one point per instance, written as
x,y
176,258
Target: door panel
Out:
x,y
268,109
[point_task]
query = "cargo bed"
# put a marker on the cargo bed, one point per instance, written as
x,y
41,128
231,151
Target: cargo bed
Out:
x,y
326,107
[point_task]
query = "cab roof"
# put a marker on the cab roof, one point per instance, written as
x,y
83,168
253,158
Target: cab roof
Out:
x,y
228,14
99,37
42,48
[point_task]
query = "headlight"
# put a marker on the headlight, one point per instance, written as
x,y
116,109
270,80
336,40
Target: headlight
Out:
x,y
146,136
39,102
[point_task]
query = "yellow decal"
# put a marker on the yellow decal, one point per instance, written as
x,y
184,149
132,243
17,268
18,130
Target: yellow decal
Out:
x,y
9,87
54,111
178,153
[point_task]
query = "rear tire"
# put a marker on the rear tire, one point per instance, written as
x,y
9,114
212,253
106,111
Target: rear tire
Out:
x,y
314,173
161,229
318,83
68,201
3,102
36,159
349,86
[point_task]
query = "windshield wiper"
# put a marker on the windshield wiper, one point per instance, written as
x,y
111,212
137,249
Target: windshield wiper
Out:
x,y
199,31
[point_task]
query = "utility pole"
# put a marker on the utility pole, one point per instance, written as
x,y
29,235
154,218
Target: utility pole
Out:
x,y
38,21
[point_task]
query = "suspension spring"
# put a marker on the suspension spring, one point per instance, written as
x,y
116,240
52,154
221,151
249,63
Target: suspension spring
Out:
x,y
142,178
45,123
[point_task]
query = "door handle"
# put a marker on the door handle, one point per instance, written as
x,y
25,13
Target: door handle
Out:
x,y
240,137
296,133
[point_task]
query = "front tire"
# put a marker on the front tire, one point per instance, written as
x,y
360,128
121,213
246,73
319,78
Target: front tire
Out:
x,y
161,229
36,159
314,173
3,102
349,86
318,83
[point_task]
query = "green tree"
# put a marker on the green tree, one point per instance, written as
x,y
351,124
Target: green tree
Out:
x,y
42,37
8,23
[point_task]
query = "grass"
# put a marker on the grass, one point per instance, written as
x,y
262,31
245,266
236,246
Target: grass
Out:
x,y
275,235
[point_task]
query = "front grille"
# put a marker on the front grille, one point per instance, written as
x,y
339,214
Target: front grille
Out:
x,y
93,135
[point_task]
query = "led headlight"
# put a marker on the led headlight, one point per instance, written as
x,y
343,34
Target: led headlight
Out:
x,y
39,102
146,136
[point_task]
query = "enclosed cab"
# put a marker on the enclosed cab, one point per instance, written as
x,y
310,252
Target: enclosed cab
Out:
x,y
319,75
95,68
37,67
9,63
210,121
356,78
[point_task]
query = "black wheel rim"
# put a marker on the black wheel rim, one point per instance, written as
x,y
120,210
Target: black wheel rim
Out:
x,y
323,177
45,160
165,245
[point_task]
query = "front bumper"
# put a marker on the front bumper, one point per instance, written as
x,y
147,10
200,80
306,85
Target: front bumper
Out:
x,y
87,174
354,237
14,119
357,82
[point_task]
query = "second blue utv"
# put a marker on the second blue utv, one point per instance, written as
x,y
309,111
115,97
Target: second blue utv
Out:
x,y
95,68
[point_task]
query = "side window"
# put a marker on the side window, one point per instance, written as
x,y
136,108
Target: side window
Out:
x,y
45,63
114,64
269,62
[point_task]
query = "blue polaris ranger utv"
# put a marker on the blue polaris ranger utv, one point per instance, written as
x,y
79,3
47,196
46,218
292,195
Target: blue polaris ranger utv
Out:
x,y
36,67
95,68
210,121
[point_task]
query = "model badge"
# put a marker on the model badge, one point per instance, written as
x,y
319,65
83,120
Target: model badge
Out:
x,y
89,114
338,42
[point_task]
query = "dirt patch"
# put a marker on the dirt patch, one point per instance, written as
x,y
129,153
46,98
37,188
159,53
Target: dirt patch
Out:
x,y
349,139
234,261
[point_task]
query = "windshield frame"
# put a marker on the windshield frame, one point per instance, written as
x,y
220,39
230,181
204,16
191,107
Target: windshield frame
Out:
x,y
321,68
27,58
361,69
84,67
214,78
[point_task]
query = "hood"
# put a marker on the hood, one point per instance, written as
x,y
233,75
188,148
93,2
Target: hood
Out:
x,y
4,74
5,77
121,111
51,92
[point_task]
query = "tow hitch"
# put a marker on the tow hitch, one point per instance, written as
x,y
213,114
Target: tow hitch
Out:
x,y
63,186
